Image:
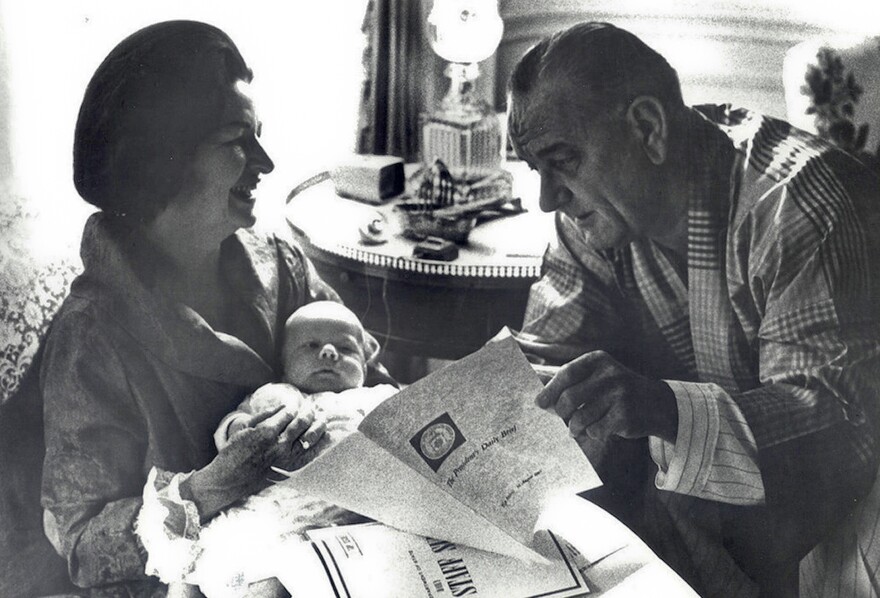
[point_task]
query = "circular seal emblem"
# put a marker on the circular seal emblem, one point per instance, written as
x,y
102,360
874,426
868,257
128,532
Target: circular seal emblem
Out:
x,y
437,440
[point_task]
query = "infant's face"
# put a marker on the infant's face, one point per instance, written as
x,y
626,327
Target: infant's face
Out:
x,y
324,355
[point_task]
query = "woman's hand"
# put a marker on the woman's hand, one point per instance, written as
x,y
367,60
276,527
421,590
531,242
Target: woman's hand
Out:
x,y
280,430
239,469
272,405
299,437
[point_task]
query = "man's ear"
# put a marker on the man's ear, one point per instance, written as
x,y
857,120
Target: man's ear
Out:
x,y
648,121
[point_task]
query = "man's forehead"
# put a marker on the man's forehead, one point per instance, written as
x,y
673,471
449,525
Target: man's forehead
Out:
x,y
534,119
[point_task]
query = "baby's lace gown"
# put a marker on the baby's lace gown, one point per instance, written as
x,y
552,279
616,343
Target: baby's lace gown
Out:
x,y
240,545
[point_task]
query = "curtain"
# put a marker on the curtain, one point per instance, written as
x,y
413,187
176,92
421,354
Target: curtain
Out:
x,y
398,78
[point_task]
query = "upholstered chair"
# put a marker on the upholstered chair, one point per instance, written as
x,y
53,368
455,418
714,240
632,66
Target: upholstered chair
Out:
x,y
31,290
832,87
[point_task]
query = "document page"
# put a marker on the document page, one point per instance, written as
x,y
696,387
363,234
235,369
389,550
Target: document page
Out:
x,y
596,554
473,429
373,560
463,455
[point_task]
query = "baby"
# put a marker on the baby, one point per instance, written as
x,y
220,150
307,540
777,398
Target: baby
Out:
x,y
325,356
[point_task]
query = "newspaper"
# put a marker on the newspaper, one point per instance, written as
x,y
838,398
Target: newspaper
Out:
x,y
371,560
462,455
597,556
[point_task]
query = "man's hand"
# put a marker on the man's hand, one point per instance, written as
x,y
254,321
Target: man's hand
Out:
x,y
599,399
545,372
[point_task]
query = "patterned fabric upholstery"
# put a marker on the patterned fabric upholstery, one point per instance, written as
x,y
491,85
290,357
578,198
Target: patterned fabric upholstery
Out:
x,y
832,87
31,290
30,294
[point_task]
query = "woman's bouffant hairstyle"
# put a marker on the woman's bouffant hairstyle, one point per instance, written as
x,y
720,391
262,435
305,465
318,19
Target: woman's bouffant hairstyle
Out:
x,y
606,67
155,97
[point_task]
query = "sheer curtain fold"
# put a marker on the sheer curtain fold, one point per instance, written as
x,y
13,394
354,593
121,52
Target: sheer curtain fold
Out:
x,y
29,293
398,78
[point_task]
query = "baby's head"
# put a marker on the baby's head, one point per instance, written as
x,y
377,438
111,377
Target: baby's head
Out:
x,y
326,348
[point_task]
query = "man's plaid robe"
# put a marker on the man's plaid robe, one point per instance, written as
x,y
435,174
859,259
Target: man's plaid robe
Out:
x,y
769,335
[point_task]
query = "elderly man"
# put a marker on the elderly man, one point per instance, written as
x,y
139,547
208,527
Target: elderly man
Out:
x,y
715,289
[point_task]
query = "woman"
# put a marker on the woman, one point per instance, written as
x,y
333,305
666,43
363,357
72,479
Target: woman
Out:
x,y
176,317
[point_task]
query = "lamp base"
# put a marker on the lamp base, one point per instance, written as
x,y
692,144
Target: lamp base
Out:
x,y
464,133
470,147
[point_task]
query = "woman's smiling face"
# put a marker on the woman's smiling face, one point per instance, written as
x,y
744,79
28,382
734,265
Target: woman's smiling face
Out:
x,y
218,197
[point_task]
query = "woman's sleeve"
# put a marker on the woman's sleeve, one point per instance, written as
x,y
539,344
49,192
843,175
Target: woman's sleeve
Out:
x,y
96,450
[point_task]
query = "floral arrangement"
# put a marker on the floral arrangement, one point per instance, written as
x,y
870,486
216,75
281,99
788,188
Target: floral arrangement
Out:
x,y
833,94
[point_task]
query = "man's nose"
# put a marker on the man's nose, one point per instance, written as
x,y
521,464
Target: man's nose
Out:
x,y
553,195
328,351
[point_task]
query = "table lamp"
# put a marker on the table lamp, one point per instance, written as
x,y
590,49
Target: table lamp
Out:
x,y
465,132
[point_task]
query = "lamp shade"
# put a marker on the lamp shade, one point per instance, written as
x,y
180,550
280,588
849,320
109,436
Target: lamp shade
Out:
x,y
465,31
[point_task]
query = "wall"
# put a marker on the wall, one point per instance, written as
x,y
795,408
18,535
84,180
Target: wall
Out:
x,y
5,118
306,57
724,51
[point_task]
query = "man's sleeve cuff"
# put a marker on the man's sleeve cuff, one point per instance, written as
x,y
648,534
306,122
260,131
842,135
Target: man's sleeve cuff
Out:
x,y
684,466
